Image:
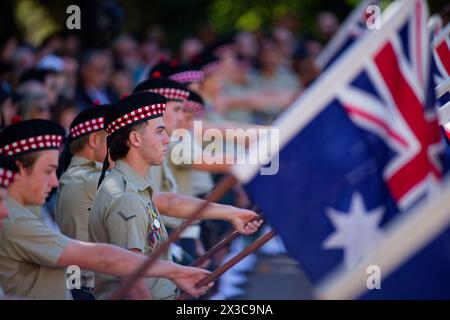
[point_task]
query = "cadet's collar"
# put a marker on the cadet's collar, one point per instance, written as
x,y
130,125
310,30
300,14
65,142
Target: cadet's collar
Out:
x,y
80,161
132,176
12,203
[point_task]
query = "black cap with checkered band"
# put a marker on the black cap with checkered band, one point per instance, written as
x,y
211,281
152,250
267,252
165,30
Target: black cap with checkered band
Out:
x,y
194,103
128,112
31,135
172,90
207,62
8,170
184,74
87,121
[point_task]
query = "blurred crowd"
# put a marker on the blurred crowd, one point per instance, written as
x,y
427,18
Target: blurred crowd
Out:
x,y
257,75
60,77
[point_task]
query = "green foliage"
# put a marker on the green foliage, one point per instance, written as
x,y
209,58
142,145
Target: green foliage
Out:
x,y
36,19
230,15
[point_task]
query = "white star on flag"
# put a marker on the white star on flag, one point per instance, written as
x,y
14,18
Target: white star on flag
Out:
x,y
357,231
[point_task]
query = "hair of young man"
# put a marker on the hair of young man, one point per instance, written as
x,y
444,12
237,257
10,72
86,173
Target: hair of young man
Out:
x,y
27,160
119,145
78,144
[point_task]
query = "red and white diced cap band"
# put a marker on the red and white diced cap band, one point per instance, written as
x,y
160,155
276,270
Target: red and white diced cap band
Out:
x,y
193,106
210,67
6,177
187,76
32,144
135,115
223,49
87,127
171,93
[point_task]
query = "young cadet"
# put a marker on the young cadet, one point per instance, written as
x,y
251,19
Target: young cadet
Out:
x,y
33,257
162,176
7,172
78,184
123,212
175,94
189,181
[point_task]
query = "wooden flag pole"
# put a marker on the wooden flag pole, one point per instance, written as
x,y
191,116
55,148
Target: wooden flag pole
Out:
x,y
222,187
225,267
230,236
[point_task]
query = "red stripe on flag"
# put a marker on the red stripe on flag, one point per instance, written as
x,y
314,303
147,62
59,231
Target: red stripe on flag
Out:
x,y
416,169
443,52
382,124
418,38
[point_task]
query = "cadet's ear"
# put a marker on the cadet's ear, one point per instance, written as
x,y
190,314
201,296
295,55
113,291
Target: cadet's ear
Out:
x,y
92,140
22,171
135,139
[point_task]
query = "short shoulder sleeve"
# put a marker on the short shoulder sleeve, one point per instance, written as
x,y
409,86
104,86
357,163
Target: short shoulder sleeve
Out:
x,y
29,239
126,224
92,183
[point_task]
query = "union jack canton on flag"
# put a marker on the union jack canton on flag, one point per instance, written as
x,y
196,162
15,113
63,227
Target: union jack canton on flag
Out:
x,y
359,149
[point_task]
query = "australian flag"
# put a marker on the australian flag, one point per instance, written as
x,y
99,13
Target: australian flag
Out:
x,y
441,74
441,55
358,150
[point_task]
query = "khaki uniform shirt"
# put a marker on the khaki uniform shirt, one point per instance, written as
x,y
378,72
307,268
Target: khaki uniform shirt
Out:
x,y
190,182
124,215
163,180
29,251
77,188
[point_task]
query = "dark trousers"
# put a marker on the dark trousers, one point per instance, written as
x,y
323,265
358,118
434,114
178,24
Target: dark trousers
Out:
x,y
82,294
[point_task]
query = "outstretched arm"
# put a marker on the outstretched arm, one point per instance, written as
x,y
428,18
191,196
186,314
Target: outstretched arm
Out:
x,y
106,258
180,206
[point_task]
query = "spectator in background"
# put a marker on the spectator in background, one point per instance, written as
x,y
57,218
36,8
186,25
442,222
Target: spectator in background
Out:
x,y
156,34
7,108
190,48
52,44
125,51
150,55
8,44
289,21
24,58
271,74
239,86
121,81
246,46
50,78
286,43
312,46
59,75
34,106
304,66
71,71
211,88
64,112
71,43
327,25
95,72
6,74
206,33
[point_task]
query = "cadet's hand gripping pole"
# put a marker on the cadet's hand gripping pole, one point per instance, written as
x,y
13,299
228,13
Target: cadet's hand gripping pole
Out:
x,y
222,269
230,236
